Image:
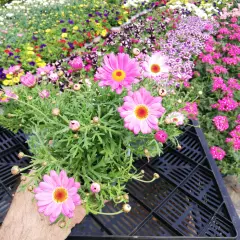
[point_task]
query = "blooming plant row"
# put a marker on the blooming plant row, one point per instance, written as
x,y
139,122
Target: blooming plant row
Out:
x,y
33,33
218,66
91,116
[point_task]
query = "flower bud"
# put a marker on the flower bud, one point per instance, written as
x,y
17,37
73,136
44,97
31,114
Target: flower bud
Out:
x,y
136,51
96,120
30,188
126,197
74,125
179,101
30,98
126,208
179,147
142,171
44,164
76,87
21,155
156,175
161,136
62,224
146,151
75,136
200,92
15,170
55,111
23,178
95,187
162,92
60,73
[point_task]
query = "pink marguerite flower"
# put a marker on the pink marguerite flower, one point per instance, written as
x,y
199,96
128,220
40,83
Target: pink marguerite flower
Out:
x,y
156,66
44,94
141,111
57,194
28,80
118,71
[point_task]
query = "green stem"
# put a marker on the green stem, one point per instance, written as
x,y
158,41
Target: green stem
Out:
x,y
110,214
140,180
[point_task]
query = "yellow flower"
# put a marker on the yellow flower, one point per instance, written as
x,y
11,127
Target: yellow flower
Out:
x,y
30,48
5,82
30,53
41,64
75,28
48,30
16,80
104,32
120,22
9,76
64,35
125,12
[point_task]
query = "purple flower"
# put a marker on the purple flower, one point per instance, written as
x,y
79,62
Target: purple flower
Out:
x,y
32,63
90,15
10,54
71,45
70,21
34,38
87,21
64,30
43,45
2,75
61,21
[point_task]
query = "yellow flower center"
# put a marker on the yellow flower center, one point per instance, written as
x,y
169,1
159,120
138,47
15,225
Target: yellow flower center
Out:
x,y
60,195
118,75
141,112
155,68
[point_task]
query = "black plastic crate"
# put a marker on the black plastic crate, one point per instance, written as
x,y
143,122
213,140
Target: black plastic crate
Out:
x,y
189,199
10,145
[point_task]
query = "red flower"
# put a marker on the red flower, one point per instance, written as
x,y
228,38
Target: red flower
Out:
x,y
17,50
64,49
62,41
89,34
75,42
81,44
7,51
39,55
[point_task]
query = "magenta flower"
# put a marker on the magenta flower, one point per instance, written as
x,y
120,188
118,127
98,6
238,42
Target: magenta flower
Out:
x,y
161,136
44,94
28,80
57,194
95,188
141,111
191,110
217,153
76,63
221,123
118,71
74,125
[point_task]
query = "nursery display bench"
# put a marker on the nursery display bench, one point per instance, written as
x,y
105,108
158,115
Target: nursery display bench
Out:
x,y
188,200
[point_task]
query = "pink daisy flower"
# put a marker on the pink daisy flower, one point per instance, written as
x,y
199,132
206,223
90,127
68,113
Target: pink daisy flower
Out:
x,y
156,66
141,111
118,71
57,194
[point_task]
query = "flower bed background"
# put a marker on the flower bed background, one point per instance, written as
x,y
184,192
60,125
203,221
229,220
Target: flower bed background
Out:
x,y
150,82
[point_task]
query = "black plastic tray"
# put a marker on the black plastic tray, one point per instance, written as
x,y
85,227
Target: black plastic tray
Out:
x,y
10,146
189,200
